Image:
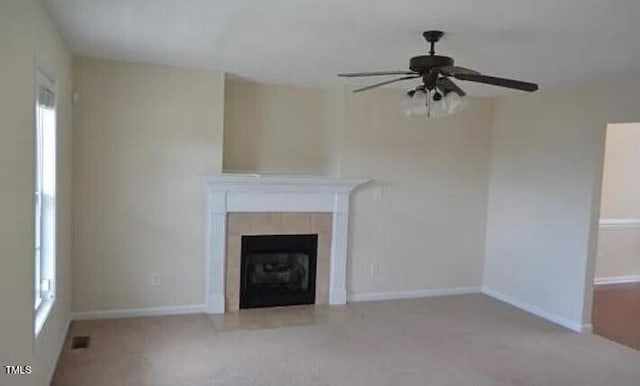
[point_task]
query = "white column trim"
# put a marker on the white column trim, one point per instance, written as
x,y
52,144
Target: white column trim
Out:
x,y
216,240
339,251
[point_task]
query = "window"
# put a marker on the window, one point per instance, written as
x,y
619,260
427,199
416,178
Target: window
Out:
x,y
44,199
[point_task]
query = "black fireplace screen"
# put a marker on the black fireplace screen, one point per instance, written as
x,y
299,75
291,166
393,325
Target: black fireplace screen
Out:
x,y
278,270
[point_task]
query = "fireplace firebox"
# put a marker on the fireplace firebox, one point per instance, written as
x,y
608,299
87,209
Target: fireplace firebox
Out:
x,y
278,270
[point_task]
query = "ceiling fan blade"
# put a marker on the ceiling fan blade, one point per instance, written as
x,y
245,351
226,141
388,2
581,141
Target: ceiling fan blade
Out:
x,y
502,82
447,85
378,73
454,70
386,82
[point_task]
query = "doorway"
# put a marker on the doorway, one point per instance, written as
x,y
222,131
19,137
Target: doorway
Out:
x,y
616,298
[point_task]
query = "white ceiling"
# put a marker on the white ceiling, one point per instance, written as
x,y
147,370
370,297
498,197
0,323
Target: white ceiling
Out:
x,y
557,43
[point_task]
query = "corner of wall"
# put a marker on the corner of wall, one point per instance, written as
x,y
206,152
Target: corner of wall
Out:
x,y
493,113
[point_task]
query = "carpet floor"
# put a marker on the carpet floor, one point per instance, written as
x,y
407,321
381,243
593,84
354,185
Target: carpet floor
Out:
x,y
469,340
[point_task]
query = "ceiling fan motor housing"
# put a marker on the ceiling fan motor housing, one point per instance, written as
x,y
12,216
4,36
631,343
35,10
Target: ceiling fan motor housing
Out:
x,y
425,63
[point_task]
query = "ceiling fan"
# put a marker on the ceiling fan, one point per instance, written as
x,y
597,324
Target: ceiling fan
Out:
x,y
441,96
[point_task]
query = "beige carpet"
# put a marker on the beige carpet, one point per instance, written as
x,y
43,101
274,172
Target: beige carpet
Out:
x,y
462,340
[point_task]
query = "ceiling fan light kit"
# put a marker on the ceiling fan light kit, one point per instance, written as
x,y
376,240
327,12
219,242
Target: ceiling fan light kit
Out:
x,y
438,96
420,102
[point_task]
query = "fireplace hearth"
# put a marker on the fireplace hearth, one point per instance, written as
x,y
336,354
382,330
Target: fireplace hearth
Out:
x,y
278,270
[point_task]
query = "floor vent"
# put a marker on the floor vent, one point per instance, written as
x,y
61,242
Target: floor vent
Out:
x,y
80,342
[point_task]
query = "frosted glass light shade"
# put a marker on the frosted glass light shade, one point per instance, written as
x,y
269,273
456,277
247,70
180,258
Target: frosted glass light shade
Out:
x,y
454,102
415,104
421,102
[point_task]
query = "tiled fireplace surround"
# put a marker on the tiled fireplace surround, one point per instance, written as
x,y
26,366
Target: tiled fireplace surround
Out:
x,y
249,204
246,224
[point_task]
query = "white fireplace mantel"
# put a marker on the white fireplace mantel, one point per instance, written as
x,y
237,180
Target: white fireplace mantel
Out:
x,y
239,192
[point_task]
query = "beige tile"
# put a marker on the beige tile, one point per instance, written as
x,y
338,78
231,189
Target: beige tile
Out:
x,y
264,223
232,296
321,222
278,317
323,267
295,223
238,223
234,249
232,301
232,276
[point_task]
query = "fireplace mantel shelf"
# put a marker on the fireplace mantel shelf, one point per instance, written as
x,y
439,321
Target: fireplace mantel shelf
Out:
x,y
244,192
281,183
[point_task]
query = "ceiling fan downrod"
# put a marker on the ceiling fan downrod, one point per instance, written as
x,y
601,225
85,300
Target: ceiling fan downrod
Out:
x,y
433,37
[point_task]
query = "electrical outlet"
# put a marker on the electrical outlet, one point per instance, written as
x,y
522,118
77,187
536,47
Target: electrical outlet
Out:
x,y
155,279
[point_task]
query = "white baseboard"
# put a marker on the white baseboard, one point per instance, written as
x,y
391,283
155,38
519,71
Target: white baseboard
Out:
x,y
373,296
586,328
136,312
535,310
60,345
617,279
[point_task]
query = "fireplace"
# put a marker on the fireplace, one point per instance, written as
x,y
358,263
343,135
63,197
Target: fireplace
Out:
x,y
241,205
278,270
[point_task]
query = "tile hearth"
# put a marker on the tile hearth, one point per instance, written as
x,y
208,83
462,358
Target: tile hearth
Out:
x,y
278,317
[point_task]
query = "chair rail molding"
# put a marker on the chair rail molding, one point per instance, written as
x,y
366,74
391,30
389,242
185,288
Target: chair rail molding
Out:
x,y
619,223
243,192
617,280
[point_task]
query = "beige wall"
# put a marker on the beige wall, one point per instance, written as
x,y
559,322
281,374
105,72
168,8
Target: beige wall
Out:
x,y
619,248
621,175
618,253
276,128
144,136
139,210
26,33
544,196
421,223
